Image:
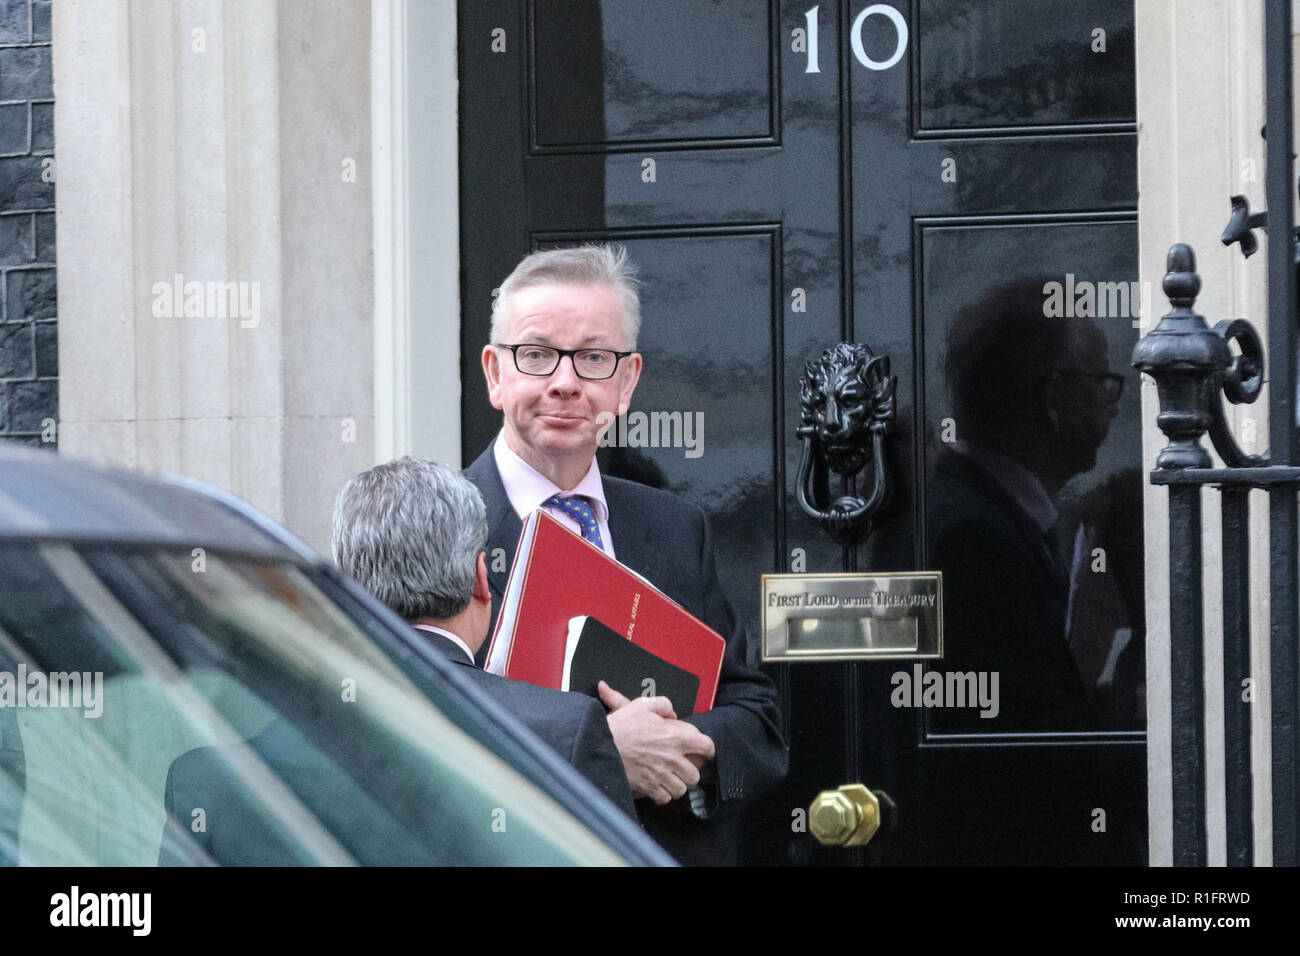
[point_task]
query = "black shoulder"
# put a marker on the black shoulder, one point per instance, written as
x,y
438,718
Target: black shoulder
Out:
x,y
525,699
481,467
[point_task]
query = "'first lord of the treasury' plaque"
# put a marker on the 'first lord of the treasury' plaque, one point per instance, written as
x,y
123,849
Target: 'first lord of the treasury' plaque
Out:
x,y
853,617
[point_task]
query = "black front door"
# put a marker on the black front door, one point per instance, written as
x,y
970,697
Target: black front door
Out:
x,y
919,177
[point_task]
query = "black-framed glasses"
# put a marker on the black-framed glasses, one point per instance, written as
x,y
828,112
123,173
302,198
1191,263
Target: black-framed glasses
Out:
x,y
592,364
1112,383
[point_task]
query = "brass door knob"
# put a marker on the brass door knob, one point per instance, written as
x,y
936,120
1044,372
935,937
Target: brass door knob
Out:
x,y
849,815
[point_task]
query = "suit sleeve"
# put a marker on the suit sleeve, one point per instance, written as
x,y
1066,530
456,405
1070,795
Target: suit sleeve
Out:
x,y
751,755
596,756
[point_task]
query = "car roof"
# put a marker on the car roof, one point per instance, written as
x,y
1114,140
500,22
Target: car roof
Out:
x,y
50,496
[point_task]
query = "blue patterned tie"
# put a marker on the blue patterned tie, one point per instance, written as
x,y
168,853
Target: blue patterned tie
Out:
x,y
577,508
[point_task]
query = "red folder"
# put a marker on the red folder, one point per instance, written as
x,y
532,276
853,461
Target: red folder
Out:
x,y
557,576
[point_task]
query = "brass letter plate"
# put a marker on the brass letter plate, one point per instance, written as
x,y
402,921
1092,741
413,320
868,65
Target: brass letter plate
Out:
x,y
853,617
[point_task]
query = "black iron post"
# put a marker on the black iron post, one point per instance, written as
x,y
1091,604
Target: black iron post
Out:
x,y
1283,561
1187,360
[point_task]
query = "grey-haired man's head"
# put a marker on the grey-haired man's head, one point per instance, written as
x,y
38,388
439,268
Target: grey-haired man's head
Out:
x,y
411,532
604,266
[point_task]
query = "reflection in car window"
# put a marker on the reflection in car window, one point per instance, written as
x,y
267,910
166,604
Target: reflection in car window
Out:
x,y
242,718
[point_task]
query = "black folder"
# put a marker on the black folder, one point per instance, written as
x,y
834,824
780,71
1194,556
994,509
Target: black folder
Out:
x,y
595,653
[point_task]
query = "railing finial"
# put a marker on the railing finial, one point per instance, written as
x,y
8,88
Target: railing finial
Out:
x,y
1181,283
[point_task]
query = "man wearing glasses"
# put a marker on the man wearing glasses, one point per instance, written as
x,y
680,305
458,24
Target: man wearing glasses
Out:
x,y
561,365
1032,399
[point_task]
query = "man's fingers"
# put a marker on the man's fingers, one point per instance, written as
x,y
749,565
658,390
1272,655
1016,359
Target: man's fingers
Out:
x,y
676,786
687,772
697,742
662,706
610,697
616,701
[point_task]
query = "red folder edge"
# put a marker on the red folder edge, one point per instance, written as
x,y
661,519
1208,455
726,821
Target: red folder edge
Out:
x,y
709,687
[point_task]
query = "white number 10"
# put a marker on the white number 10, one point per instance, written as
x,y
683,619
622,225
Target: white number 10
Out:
x,y
855,37
811,19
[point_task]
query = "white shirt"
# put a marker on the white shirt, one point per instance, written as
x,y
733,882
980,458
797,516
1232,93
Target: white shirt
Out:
x,y
449,636
527,488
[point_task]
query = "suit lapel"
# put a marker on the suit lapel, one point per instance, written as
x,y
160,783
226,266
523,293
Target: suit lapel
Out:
x,y
504,526
628,527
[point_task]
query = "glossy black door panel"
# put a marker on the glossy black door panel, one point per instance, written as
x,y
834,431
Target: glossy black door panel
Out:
x,y
625,73
1015,65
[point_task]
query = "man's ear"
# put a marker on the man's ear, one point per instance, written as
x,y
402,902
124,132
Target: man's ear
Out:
x,y
481,590
492,372
631,371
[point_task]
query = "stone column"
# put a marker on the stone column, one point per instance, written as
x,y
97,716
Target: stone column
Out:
x,y
215,244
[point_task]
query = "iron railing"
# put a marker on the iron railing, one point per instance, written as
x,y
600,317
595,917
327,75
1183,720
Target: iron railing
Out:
x,y
1194,369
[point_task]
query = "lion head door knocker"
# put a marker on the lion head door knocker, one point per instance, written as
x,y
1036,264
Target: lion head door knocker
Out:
x,y
847,400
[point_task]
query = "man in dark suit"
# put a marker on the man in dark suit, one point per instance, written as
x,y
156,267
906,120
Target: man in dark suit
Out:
x,y
412,533
561,365
1033,398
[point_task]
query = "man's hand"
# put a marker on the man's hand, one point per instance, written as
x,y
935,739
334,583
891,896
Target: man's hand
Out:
x,y
661,754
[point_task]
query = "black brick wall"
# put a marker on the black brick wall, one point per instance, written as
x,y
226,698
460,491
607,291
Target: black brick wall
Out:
x,y
29,355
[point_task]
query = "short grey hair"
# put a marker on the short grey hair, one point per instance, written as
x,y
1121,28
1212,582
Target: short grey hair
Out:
x,y
410,531
599,265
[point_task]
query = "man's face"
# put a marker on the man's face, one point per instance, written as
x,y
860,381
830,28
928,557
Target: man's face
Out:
x,y
1083,409
554,421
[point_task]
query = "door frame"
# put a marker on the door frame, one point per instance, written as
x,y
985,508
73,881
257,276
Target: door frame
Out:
x,y
415,178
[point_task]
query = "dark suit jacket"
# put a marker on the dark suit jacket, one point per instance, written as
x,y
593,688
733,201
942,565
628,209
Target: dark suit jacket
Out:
x,y
667,540
1005,597
573,724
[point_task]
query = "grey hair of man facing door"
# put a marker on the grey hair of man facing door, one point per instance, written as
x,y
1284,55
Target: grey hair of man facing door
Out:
x,y
410,532
606,265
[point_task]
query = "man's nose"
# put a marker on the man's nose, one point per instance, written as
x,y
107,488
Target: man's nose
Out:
x,y
565,377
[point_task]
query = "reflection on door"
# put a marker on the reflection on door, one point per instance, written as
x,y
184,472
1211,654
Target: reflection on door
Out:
x,y
1033,496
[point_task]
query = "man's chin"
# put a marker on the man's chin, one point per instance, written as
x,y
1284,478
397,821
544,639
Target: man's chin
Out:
x,y
565,442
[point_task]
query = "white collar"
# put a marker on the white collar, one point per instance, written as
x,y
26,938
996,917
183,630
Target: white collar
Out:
x,y
449,636
527,488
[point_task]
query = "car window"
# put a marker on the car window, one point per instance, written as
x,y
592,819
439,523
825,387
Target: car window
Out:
x,y
189,707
